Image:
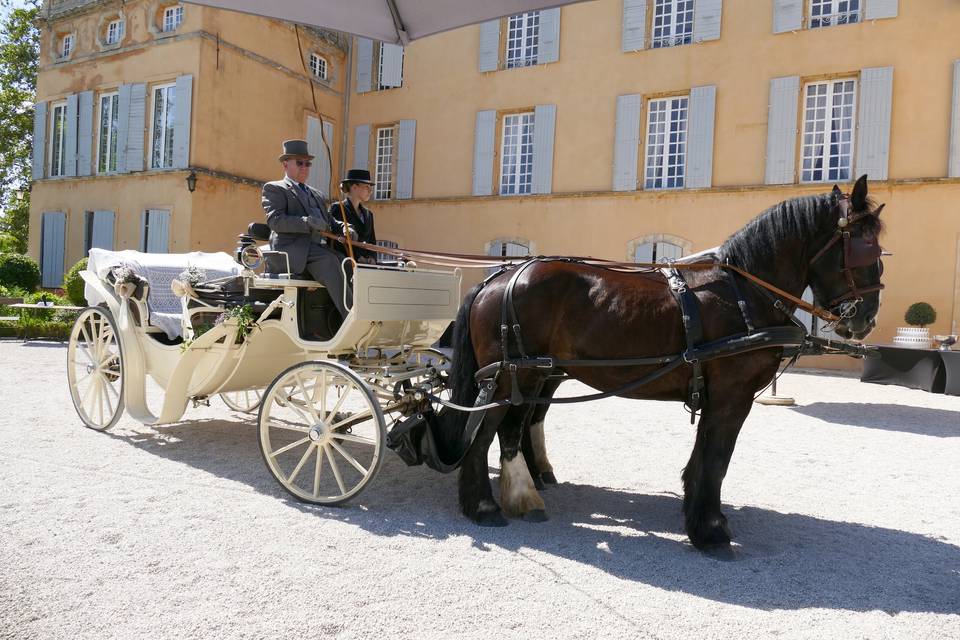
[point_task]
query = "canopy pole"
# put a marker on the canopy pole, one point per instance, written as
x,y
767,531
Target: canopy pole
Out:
x,y
401,30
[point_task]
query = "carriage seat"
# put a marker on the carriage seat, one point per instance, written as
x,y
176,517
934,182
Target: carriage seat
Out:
x,y
159,270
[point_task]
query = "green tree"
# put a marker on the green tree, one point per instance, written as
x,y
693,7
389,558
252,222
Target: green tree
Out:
x,y
19,54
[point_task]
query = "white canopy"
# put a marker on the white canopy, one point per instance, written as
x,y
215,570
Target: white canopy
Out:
x,y
391,21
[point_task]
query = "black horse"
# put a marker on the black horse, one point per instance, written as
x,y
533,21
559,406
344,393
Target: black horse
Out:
x,y
570,310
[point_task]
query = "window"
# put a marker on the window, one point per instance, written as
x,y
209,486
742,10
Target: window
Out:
x,y
389,66
666,143
672,23
383,181
58,123
114,32
163,116
826,13
318,66
516,153
66,46
383,257
523,39
107,139
172,18
657,252
828,130
155,232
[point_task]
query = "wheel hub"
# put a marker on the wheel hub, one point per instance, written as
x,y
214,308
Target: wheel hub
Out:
x,y
318,433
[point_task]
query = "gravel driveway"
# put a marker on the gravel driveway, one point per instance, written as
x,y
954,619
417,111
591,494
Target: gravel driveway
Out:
x,y
845,512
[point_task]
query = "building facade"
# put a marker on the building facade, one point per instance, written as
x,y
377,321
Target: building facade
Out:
x,y
623,129
136,97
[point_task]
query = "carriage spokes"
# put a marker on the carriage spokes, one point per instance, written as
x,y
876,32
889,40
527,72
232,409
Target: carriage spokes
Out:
x,y
95,369
322,432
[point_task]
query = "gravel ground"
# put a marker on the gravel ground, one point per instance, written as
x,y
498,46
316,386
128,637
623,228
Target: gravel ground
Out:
x,y
844,510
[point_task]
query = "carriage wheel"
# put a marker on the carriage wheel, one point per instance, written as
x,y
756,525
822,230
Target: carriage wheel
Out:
x,y
322,432
419,358
95,369
247,401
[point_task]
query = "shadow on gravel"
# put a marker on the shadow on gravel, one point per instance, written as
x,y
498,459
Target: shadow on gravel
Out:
x,y
940,423
779,560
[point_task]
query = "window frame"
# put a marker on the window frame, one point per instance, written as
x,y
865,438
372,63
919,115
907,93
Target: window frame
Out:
x,y
380,163
520,186
64,51
54,108
656,245
825,154
315,69
675,11
529,52
175,12
112,149
836,17
651,183
166,87
118,23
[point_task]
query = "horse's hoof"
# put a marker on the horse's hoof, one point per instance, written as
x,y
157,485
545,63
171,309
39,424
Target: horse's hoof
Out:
x,y
491,519
711,535
548,477
535,515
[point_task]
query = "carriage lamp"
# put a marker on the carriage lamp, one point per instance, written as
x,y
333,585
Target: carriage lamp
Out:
x,y
192,181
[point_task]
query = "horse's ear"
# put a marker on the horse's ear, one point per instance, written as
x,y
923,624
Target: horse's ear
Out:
x,y
836,193
859,196
879,209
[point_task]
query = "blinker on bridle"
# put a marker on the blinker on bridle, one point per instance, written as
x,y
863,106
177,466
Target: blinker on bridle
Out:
x,y
857,252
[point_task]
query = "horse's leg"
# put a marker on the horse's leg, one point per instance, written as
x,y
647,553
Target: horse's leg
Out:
x,y
476,494
534,444
518,494
703,476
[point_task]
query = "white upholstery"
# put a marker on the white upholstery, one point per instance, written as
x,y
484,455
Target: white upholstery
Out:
x,y
159,269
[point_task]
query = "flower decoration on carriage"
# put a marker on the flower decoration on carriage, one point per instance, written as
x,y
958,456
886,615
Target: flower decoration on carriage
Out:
x,y
125,281
242,316
183,285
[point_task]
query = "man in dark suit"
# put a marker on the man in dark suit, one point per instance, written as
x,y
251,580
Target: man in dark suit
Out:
x,y
356,189
295,213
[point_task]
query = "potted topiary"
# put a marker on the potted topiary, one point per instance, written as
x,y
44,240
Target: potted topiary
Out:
x,y
918,316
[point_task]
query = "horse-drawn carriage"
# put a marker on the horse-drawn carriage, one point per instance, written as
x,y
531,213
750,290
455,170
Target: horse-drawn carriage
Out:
x,y
327,394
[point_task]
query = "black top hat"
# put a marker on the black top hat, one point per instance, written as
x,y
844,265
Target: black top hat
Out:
x,y
356,175
295,149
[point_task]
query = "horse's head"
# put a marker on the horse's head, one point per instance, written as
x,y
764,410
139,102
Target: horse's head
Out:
x,y
845,273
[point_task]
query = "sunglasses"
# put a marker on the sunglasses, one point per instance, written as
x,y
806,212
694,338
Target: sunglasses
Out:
x,y
304,163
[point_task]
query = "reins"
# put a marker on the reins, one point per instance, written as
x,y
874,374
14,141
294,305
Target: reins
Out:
x,y
468,261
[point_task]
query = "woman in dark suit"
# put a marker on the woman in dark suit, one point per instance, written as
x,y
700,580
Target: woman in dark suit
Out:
x,y
356,189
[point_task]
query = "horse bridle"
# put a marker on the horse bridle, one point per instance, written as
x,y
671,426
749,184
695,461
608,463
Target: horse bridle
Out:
x,y
857,252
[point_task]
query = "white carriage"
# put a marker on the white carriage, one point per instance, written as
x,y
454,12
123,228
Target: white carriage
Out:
x,y
326,400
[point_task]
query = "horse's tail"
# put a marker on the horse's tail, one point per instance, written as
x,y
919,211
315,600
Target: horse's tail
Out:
x,y
461,381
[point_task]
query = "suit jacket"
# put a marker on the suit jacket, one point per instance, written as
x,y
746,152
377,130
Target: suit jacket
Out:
x,y
361,222
287,208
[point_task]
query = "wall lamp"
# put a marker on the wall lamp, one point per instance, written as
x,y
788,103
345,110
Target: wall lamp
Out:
x,y
192,181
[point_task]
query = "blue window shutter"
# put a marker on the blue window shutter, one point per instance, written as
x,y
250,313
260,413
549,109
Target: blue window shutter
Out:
x,y
483,153
328,135
144,217
489,46
877,9
102,230
181,122
706,20
320,175
39,139
787,15
70,137
626,142
85,134
405,153
548,49
133,154
782,130
544,124
361,147
634,25
873,128
643,253
158,239
123,126
953,169
53,231
701,117
392,63
364,64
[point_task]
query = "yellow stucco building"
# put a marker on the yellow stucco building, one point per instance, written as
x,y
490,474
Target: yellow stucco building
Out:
x,y
624,129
